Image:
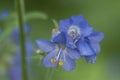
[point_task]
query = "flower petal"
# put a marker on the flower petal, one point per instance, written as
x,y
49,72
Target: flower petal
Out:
x,y
15,34
73,54
29,50
91,59
85,48
68,63
86,30
1,31
47,60
59,38
96,36
64,25
80,21
45,45
4,14
27,29
70,42
15,70
96,47
15,73
76,20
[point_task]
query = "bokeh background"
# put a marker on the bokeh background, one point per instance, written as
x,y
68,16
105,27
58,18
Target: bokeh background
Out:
x,y
104,15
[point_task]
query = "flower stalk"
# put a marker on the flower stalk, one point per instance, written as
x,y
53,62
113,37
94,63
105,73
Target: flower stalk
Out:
x,y
49,74
20,13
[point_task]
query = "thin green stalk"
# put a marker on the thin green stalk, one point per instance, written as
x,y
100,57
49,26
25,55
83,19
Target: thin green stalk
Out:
x,y
21,20
49,74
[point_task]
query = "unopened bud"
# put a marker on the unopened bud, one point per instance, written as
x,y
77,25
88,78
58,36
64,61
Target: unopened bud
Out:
x,y
54,30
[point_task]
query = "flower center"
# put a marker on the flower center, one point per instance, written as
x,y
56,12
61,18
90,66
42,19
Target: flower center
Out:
x,y
74,31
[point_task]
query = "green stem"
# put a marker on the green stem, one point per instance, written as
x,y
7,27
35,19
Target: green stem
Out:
x,y
49,74
21,20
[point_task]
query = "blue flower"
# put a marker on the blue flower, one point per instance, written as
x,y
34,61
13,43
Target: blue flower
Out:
x,y
15,34
91,59
15,72
80,35
4,14
74,28
0,31
58,53
90,46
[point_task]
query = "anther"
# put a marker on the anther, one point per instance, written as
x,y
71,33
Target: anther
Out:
x,y
72,35
60,63
73,31
53,61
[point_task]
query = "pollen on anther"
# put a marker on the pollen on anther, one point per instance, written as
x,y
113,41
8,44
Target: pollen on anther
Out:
x,y
60,63
53,61
72,34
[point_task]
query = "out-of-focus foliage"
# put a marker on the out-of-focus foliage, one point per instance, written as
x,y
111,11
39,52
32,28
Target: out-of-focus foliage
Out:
x,y
8,24
103,15
11,21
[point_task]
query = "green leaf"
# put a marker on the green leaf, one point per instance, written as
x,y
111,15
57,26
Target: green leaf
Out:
x,y
8,26
11,22
6,33
36,15
55,23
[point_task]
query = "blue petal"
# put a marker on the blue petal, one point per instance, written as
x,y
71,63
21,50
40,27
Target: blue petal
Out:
x,y
68,63
27,28
54,35
91,59
73,54
17,58
96,36
15,34
78,20
45,45
85,48
59,38
1,31
29,50
86,30
70,42
15,73
64,25
4,14
15,70
96,47
47,59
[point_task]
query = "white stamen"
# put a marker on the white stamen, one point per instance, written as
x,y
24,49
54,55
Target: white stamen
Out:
x,y
59,54
74,30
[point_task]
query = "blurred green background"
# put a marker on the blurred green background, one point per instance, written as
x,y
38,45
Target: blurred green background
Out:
x,y
104,15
